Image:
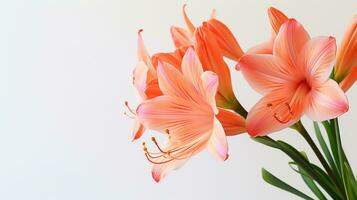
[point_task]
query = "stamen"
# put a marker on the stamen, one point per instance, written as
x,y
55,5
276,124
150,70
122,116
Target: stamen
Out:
x,y
130,109
280,113
131,117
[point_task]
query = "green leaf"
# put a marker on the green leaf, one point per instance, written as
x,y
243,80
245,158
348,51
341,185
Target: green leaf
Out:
x,y
333,143
273,180
326,150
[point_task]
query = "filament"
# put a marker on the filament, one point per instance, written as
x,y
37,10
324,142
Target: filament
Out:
x,y
285,115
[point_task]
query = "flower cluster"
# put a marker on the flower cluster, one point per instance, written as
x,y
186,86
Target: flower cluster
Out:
x,y
187,94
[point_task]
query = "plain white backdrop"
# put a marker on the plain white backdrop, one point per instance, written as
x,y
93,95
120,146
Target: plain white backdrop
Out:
x,y
65,71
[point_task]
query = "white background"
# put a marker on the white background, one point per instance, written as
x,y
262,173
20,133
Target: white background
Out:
x,y
65,71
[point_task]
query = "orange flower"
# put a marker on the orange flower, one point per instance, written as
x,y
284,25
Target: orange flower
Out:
x,y
187,113
347,53
294,80
220,32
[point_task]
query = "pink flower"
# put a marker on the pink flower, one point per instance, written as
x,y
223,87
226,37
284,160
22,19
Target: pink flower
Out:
x,y
294,80
186,112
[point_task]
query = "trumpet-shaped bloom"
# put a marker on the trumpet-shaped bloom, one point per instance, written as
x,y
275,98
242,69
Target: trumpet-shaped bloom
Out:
x,y
347,53
226,41
186,112
212,59
276,19
294,80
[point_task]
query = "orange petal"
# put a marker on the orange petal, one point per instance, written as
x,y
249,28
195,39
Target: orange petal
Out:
x,y
173,83
347,53
232,123
181,37
211,58
266,73
217,143
184,119
290,40
225,39
317,59
152,89
188,22
326,102
139,129
171,58
349,80
276,111
276,18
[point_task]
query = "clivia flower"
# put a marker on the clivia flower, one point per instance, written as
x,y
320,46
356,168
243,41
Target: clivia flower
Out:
x,y
294,80
346,63
187,113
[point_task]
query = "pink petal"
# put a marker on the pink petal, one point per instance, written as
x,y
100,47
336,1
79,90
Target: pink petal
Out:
x,y
326,102
191,68
143,55
139,78
266,73
276,111
209,87
290,40
181,37
159,171
173,83
316,59
184,119
263,48
217,144
276,18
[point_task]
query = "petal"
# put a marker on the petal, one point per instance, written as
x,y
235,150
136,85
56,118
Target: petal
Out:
x,y
276,18
349,80
276,111
232,122
265,73
191,68
188,22
290,40
211,58
326,102
317,58
152,89
171,58
225,39
173,83
143,55
347,53
263,48
217,143
184,120
159,171
138,131
181,37
140,78
209,86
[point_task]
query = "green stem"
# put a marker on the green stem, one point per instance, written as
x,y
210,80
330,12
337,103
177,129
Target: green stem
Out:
x,y
303,132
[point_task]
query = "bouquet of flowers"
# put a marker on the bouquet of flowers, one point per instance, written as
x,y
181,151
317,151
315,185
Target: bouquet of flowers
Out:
x,y
187,96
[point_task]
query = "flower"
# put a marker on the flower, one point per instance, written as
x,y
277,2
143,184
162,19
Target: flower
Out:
x,y
294,80
347,53
211,57
349,80
186,112
220,32
276,19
